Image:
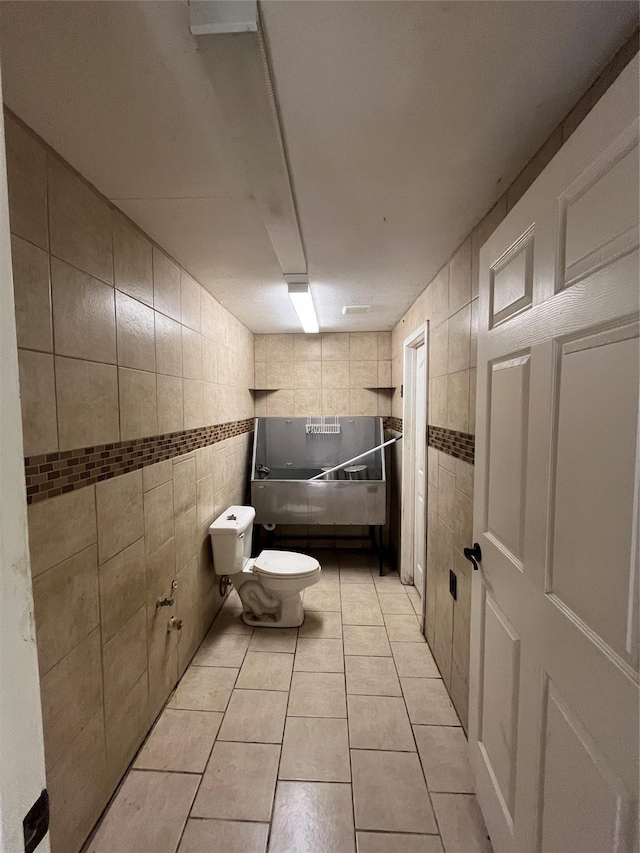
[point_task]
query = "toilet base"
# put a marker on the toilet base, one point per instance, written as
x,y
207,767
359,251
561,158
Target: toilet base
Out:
x,y
291,615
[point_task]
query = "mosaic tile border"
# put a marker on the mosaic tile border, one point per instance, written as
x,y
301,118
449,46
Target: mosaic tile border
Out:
x,y
461,445
392,423
57,473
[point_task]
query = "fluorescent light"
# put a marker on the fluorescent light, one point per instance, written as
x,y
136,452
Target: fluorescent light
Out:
x,y
300,295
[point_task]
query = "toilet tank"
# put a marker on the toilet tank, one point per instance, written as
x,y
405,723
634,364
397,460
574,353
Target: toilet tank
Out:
x,y
231,539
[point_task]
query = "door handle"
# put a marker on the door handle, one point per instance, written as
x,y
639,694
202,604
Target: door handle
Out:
x,y
474,555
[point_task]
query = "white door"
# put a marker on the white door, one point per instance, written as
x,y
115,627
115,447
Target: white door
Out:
x,y
420,479
554,634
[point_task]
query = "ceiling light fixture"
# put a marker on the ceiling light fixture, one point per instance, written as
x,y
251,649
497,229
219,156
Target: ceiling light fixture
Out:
x,y
300,295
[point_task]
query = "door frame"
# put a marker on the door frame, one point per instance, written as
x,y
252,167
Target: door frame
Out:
x,y
419,337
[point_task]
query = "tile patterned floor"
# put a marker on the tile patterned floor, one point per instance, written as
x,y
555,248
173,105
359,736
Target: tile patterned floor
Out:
x,y
335,737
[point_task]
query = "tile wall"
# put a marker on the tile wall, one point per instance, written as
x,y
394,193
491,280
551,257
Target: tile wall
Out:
x,y
117,343
450,305
329,374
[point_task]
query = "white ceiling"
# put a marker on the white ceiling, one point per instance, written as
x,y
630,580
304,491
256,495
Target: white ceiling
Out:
x,y
404,121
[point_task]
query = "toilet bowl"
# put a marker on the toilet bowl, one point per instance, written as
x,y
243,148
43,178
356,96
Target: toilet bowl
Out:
x,y
269,585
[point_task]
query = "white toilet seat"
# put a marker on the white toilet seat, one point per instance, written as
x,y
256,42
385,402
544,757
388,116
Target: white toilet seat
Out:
x,y
285,564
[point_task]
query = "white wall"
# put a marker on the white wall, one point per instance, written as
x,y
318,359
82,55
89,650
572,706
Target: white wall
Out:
x,y
22,775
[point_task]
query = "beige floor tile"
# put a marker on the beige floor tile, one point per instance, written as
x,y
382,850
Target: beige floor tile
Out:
x,y
321,625
428,702
229,621
230,836
317,694
389,584
239,782
265,671
443,751
396,605
389,792
322,598
416,604
204,688
315,750
360,592
414,660
361,613
180,741
461,823
148,813
273,640
371,676
394,842
366,640
312,817
403,629
222,650
319,656
255,717
379,722
355,575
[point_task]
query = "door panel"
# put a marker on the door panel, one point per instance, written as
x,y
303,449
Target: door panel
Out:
x,y
554,705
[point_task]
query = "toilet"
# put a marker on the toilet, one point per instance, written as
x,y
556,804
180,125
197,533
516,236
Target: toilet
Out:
x,y
270,584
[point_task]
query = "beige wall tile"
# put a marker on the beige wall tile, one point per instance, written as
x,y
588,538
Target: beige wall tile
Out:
x,y
384,345
184,485
125,660
213,411
160,573
260,374
279,374
66,595
307,347
27,179
193,391
280,404
279,347
166,285
79,222
158,517
459,340
77,788
190,302
384,403
362,402
473,348
307,403
156,475
120,513
363,374
472,400
210,316
138,403
61,527
87,397
132,260
307,374
204,490
363,346
460,277
125,731
191,354
122,588
136,333
335,347
335,374
84,316
439,350
438,401
168,345
335,401
209,360
384,374
31,294
438,294
260,348
458,401
170,404
38,402
71,694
